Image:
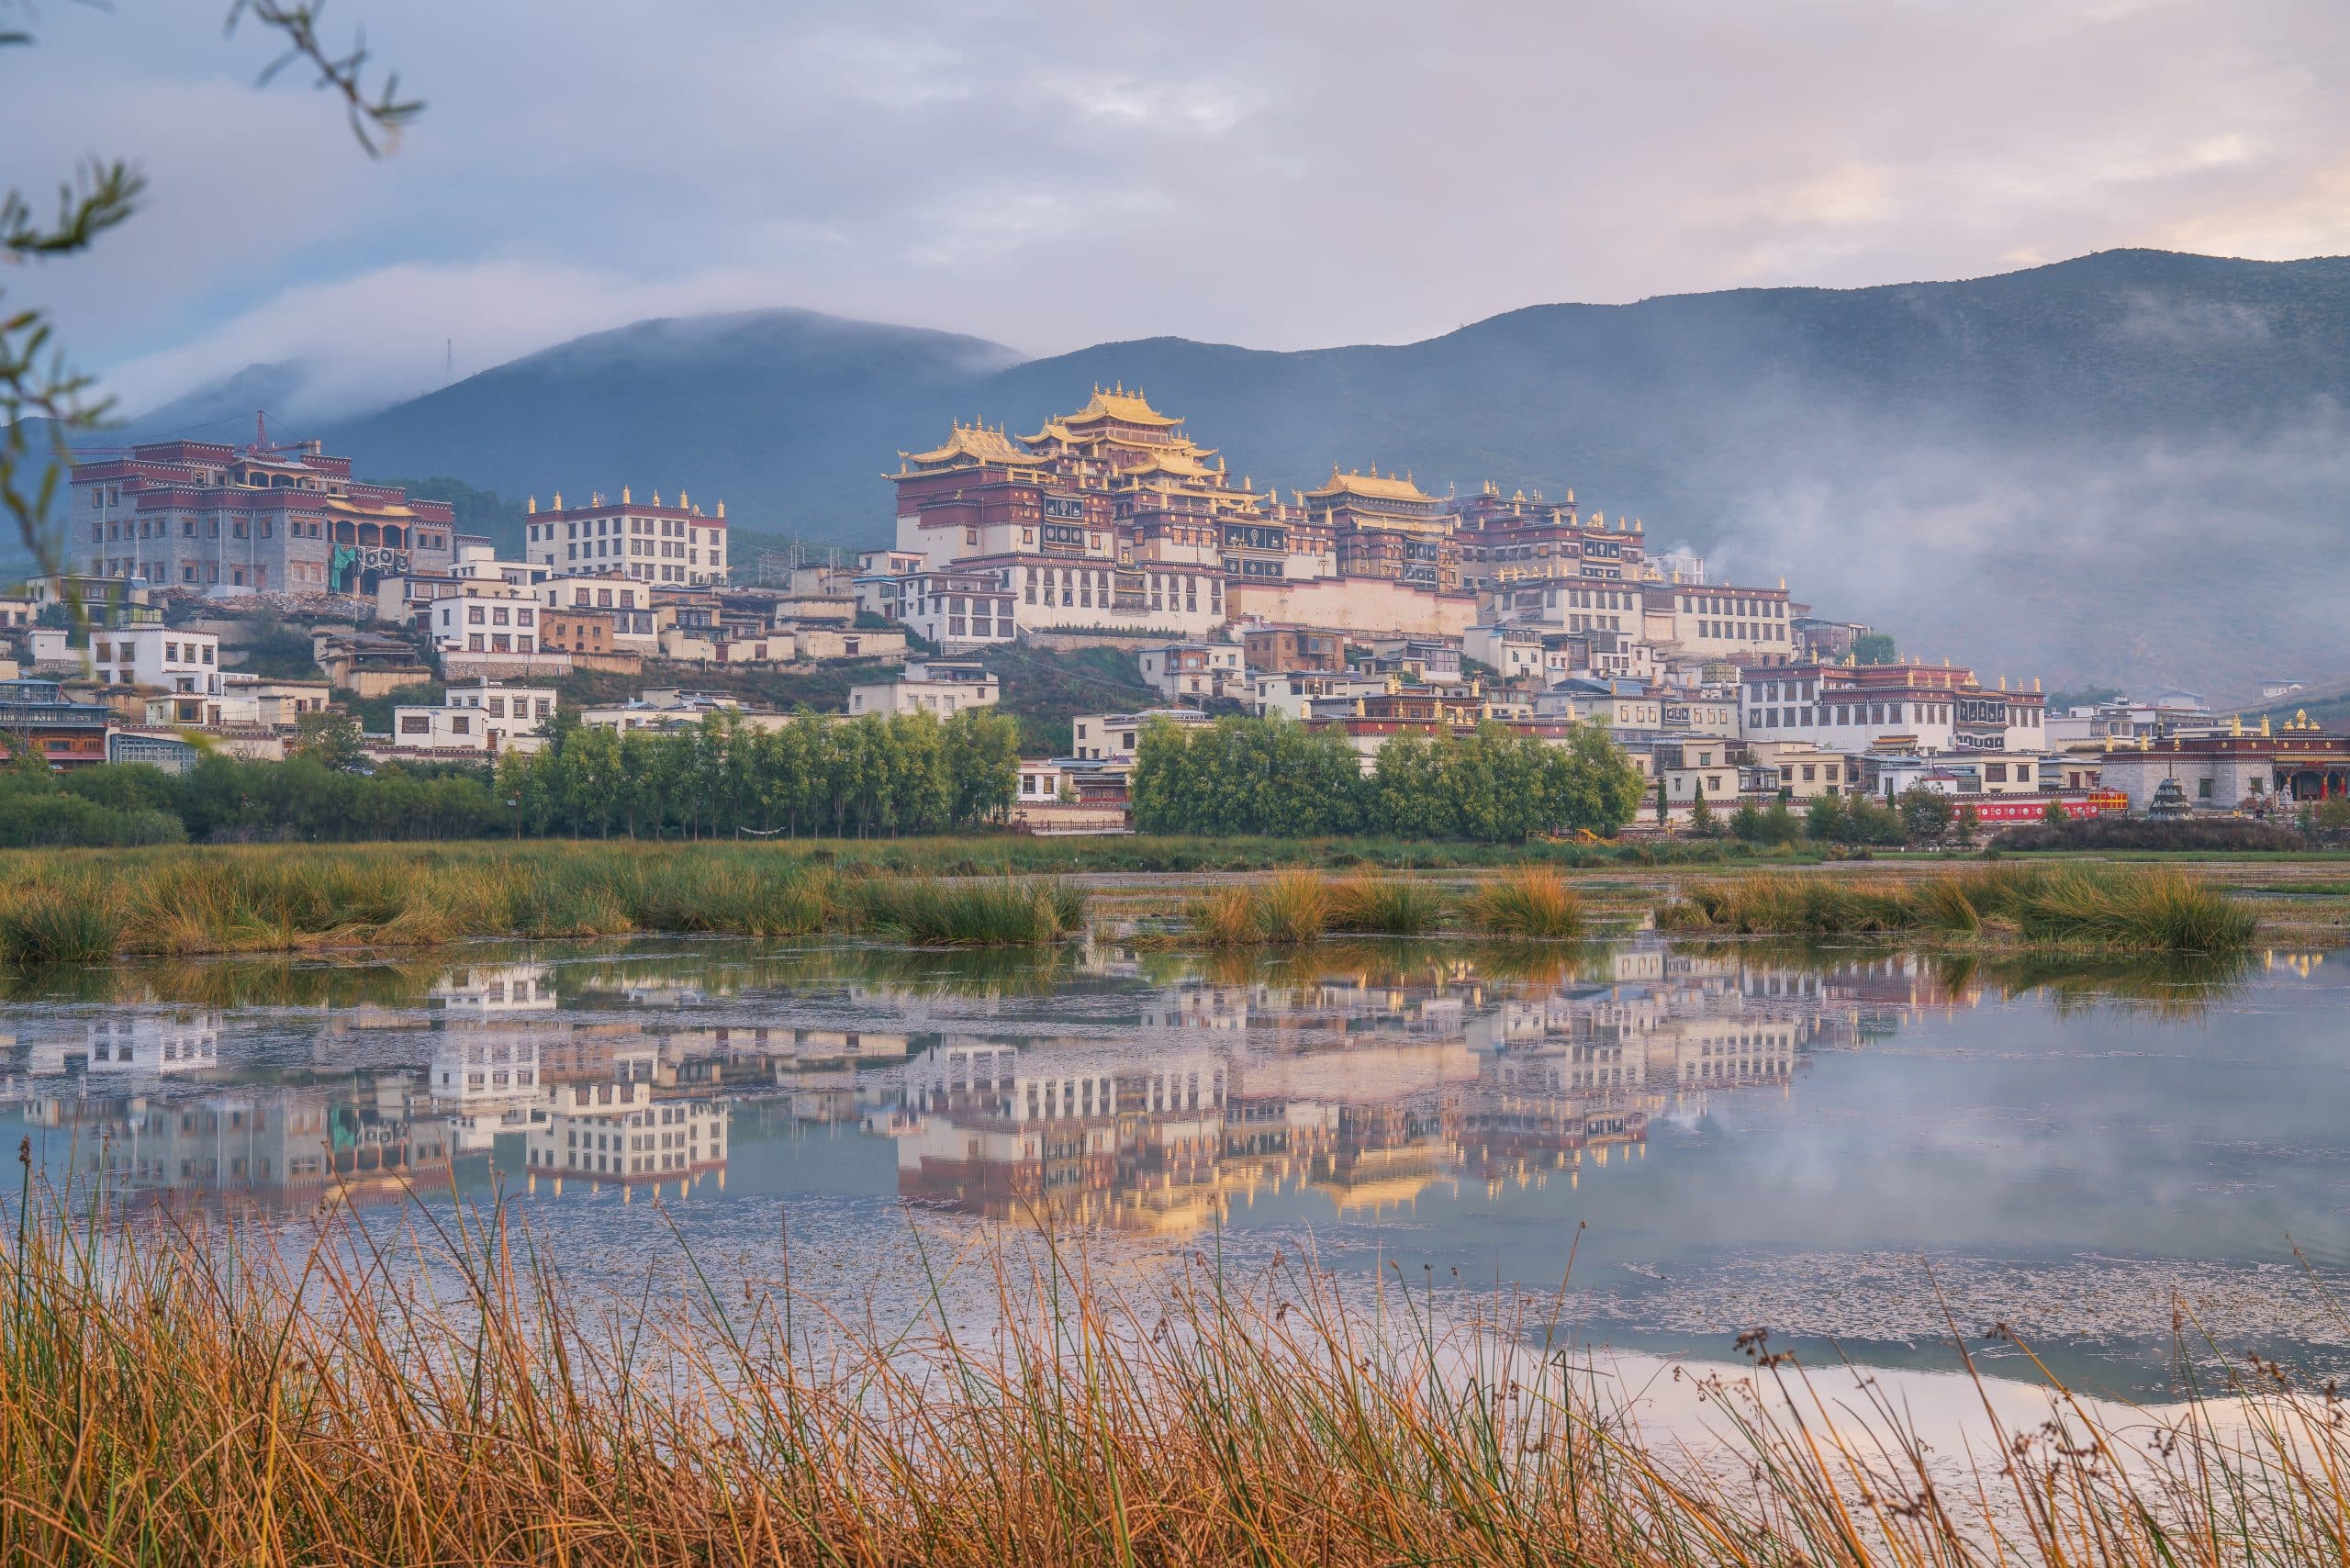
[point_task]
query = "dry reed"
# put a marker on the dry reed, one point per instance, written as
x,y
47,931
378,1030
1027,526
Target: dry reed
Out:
x,y
180,1396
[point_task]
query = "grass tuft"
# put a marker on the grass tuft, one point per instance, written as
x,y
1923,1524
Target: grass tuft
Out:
x,y
1384,906
2120,908
1527,901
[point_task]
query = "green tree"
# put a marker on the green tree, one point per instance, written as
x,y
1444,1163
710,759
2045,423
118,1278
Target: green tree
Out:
x,y
1925,814
1701,815
1970,823
982,765
1779,823
330,737
2053,813
1746,823
1824,820
1873,648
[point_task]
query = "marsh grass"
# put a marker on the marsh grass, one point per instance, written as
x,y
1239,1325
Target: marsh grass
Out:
x,y
1384,906
1532,902
88,906
2118,908
1226,916
1528,903
983,912
174,1394
1294,907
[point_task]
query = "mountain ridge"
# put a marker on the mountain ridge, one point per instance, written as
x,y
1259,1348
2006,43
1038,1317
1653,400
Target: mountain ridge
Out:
x,y
2007,466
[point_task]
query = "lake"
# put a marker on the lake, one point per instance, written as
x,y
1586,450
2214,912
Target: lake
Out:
x,y
1836,1143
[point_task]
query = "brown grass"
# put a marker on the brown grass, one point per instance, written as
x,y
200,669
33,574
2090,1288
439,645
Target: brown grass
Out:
x,y
190,1397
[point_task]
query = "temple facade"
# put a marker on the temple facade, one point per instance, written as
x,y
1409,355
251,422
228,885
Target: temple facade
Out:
x,y
256,519
1113,518
2275,768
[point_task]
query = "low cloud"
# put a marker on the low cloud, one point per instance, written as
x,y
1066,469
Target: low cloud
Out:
x,y
1286,176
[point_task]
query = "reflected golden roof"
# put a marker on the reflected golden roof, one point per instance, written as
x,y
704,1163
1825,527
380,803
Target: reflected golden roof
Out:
x,y
1370,487
1379,1192
975,442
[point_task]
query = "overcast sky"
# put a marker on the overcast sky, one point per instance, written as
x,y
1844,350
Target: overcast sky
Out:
x,y
1276,173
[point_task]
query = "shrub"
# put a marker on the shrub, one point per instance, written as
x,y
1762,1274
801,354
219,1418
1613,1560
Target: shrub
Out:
x,y
2231,834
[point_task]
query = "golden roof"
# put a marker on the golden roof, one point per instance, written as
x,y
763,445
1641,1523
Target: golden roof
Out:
x,y
1127,407
1175,461
1370,487
976,443
344,507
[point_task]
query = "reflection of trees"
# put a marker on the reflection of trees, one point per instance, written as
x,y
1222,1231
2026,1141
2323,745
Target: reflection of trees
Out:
x,y
233,982
2174,986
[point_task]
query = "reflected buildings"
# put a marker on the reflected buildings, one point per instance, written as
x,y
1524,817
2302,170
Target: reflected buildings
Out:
x,y
1362,1079
1148,1092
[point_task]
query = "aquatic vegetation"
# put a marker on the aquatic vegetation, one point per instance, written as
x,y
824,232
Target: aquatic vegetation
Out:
x,y
1384,906
179,1394
984,912
83,906
2119,907
1528,900
1226,916
1293,907
57,922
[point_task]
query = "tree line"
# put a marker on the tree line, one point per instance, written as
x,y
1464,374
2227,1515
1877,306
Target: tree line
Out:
x,y
869,777
1274,776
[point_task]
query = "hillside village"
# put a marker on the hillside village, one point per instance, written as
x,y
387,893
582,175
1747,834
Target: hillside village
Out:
x,y
1096,575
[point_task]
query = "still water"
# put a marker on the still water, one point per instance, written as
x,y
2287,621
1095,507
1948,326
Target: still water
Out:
x,y
1836,1143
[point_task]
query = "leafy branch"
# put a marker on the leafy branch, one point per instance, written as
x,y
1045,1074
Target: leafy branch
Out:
x,y
36,384
384,113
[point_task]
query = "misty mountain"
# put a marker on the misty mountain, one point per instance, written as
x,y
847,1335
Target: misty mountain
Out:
x,y
2129,467
223,410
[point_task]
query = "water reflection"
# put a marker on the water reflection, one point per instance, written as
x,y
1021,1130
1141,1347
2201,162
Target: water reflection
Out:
x,y
1145,1091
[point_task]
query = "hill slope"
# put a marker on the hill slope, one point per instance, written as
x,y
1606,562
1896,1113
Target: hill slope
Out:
x,y
2130,465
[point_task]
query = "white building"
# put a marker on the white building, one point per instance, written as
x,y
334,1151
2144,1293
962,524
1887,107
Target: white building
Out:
x,y
1922,708
1515,651
1293,693
641,542
1192,672
939,686
1751,624
488,717
477,562
158,657
1110,738
636,627
1619,704
949,606
486,617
